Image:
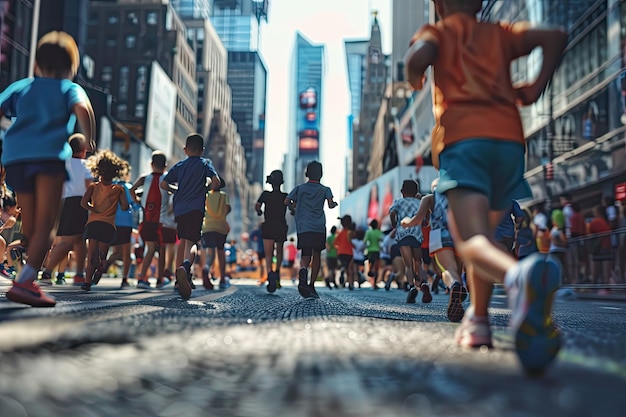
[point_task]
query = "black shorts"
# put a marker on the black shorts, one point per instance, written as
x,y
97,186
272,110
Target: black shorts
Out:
x,y
331,263
213,240
122,235
274,231
373,257
169,235
151,232
189,226
21,176
73,217
309,242
345,260
100,231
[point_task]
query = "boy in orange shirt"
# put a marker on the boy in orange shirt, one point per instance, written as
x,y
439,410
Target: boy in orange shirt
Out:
x,y
477,125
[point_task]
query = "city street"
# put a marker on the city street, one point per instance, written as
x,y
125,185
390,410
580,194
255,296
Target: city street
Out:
x,y
245,352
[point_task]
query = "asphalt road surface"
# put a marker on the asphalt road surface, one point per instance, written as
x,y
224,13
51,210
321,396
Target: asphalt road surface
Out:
x,y
245,352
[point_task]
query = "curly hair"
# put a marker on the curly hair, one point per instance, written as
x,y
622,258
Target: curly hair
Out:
x,y
106,165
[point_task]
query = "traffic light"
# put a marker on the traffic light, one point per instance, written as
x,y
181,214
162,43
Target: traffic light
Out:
x,y
548,171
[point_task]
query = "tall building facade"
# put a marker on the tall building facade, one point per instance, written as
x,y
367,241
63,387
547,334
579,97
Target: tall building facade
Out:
x,y
372,94
141,51
16,35
577,128
305,103
238,24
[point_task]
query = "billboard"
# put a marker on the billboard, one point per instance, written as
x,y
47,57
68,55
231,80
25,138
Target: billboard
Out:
x,y
373,200
308,141
308,98
161,111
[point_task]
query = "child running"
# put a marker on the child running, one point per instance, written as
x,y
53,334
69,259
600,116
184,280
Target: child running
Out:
x,y
101,200
274,228
308,202
190,180
478,147
35,148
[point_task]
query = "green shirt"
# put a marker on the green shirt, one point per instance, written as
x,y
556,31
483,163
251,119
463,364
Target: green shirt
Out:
x,y
373,239
332,251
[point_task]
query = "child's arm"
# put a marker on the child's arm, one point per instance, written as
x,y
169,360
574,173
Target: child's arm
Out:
x,y
418,58
552,43
168,187
425,207
85,202
9,223
87,122
133,190
332,203
214,183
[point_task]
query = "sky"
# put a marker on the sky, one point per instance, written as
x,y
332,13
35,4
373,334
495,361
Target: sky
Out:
x,y
327,22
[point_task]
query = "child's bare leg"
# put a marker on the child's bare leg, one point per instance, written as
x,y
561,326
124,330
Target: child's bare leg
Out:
x,y
407,258
315,267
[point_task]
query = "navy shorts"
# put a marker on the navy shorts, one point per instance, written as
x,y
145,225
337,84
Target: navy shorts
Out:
x,y
122,235
310,242
21,176
73,217
410,241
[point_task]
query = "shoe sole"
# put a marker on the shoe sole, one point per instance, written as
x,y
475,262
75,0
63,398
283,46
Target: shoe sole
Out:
x,y
410,299
537,341
426,295
455,305
22,296
184,288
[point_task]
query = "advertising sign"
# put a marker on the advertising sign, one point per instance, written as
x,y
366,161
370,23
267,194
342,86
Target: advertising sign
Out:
x,y
308,98
161,111
308,140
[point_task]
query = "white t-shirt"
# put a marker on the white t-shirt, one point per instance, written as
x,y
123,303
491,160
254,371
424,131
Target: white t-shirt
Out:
x,y
78,173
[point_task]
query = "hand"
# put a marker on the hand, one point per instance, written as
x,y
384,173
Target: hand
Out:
x,y
333,205
259,212
526,94
406,222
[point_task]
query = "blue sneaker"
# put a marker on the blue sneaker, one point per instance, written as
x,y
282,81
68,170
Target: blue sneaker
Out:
x,y
143,285
531,287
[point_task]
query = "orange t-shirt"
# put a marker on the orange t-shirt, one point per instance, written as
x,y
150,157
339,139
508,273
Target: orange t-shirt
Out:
x,y
472,95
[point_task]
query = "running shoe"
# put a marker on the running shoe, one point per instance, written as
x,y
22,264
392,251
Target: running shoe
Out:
x,y
313,292
143,284
85,287
29,293
97,274
60,279
224,284
530,288
78,279
412,295
303,287
46,279
426,295
271,282
455,304
165,281
4,273
125,284
184,285
473,333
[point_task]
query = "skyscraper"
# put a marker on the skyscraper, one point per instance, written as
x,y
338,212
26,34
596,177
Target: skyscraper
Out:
x,y
238,24
306,97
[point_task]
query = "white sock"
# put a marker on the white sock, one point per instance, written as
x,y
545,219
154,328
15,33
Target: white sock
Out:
x,y
27,274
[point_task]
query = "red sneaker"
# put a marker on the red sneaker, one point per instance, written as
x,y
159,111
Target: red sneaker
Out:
x,y
30,294
79,280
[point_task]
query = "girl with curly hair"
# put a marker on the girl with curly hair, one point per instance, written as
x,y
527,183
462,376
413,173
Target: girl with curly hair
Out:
x,y
101,200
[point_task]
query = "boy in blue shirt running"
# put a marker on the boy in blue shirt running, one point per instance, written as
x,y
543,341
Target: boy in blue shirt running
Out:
x,y
45,109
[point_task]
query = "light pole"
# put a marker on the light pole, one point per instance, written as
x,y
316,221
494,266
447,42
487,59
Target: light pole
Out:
x,y
33,39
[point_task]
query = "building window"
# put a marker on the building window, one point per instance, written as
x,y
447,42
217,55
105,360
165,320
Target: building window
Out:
x,y
122,111
112,19
131,41
107,74
152,18
123,88
140,92
110,43
132,18
140,110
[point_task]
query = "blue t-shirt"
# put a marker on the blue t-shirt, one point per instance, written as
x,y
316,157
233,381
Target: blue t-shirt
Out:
x,y
126,218
406,207
43,119
191,176
310,198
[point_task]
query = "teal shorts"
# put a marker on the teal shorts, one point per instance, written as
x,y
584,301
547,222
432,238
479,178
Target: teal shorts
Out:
x,y
494,168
